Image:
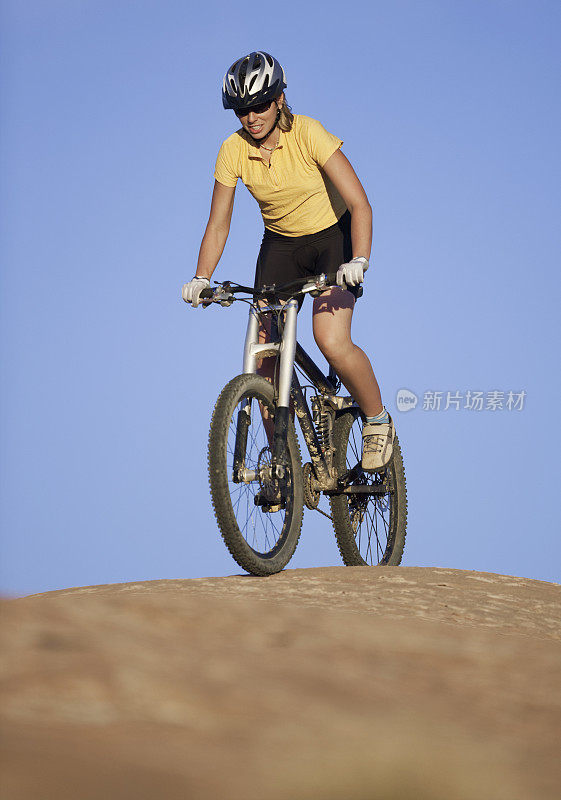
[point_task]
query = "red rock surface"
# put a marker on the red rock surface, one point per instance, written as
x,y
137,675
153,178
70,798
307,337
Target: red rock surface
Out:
x,y
354,683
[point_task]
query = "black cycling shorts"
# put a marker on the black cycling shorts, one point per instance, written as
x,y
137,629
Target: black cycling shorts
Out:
x,y
286,258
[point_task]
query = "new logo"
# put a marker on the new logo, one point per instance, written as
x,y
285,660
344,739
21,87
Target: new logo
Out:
x,y
406,400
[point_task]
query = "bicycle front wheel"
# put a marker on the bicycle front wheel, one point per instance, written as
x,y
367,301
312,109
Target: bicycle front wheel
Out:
x,y
369,527
259,516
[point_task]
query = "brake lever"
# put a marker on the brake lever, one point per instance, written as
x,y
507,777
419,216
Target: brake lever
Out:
x,y
218,295
318,284
206,297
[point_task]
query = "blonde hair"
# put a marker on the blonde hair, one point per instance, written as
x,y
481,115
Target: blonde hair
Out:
x,y
286,117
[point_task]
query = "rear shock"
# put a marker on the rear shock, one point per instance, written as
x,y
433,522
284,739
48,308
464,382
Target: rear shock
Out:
x,y
324,417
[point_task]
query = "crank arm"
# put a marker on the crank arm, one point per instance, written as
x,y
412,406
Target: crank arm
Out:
x,y
376,488
351,476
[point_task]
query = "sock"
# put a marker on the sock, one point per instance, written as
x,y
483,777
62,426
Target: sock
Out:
x,y
383,416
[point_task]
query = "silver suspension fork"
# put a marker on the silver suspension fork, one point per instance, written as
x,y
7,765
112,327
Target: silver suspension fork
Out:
x,y
241,473
287,349
251,342
282,415
287,353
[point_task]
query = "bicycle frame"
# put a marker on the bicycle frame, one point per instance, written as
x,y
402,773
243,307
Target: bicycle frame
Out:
x,y
289,352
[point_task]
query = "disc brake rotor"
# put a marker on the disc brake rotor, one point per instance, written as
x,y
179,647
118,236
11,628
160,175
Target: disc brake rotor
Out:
x,y
269,496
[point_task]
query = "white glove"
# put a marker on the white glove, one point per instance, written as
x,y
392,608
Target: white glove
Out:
x,y
192,291
352,273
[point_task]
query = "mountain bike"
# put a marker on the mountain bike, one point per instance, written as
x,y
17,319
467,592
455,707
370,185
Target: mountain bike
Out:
x,y
258,484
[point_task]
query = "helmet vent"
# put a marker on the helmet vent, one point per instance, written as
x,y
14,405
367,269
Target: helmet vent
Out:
x,y
242,74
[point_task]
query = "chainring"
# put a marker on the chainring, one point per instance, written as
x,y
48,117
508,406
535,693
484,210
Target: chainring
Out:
x,y
311,495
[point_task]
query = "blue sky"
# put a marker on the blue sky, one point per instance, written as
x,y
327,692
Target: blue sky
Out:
x,y
112,119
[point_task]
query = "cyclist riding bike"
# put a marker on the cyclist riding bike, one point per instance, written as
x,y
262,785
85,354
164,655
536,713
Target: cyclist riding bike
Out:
x,y
317,220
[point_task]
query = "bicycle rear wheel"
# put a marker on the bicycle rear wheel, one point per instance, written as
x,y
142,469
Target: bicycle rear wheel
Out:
x,y
260,534
370,528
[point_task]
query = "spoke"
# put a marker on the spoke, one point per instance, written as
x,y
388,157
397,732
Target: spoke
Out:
x,y
386,525
369,549
253,435
241,496
370,531
255,516
249,515
265,531
354,446
374,528
274,527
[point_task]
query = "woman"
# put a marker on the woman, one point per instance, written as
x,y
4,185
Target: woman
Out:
x,y
317,219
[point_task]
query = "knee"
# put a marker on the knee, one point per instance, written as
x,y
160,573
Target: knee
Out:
x,y
332,344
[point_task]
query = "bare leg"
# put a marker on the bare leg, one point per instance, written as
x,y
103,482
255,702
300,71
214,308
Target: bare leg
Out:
x,y
333,313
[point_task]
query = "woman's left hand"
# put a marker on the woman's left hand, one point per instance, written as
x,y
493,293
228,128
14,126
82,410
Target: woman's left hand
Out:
x,y
352,273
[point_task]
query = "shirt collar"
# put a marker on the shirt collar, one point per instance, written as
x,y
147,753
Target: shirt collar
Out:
x,y
253,149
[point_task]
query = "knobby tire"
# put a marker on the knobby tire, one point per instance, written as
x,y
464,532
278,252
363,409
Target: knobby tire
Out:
x,y
261,543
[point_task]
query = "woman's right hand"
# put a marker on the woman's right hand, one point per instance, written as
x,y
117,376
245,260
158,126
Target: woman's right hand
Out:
x,y
191,291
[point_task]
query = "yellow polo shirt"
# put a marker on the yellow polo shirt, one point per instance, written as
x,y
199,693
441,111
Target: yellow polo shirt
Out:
x,y
295,196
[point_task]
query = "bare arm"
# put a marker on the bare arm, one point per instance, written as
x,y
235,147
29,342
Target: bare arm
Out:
x,y
217,229
339,170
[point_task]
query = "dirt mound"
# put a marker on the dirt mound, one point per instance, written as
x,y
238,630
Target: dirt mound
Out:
x,y
353,683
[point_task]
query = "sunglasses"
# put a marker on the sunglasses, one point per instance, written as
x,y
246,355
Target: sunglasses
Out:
x,y
260,109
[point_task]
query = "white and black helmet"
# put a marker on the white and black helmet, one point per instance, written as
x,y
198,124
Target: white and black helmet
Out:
x,y
252,80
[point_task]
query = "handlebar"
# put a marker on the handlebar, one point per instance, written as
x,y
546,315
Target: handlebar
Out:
x,y
315,285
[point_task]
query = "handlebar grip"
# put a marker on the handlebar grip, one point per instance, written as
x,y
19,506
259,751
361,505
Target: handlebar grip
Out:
x,y
331,277
205,297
